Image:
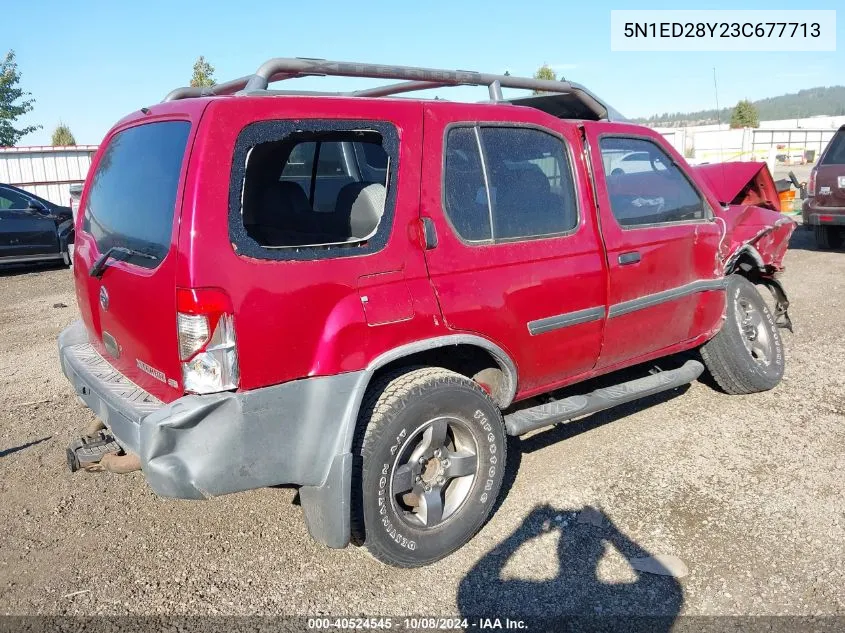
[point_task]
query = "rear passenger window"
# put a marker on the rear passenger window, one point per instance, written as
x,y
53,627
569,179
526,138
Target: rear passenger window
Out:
x,y
309,190
464,189
645,186
505,183
530,183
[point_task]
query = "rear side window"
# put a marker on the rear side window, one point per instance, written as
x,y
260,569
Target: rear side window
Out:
x,y
503,183
133,192
312,189
835,154
645,186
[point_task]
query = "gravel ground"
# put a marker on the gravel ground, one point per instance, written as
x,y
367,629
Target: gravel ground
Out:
x,y
746,491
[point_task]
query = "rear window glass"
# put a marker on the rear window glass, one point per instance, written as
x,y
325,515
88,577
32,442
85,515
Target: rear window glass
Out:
x,y
133,192
835,154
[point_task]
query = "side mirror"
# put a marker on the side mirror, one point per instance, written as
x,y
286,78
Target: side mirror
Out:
x,y
36,207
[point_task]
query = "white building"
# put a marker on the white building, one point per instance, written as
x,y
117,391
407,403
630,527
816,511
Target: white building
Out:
x,y
46,171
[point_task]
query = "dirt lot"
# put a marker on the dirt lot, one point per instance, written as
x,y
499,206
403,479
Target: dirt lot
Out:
x,y
747,491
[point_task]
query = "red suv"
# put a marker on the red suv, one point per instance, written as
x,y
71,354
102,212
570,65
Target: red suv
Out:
x,y
364,295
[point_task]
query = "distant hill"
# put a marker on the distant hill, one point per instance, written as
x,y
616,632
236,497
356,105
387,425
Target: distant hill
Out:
x,y
804,103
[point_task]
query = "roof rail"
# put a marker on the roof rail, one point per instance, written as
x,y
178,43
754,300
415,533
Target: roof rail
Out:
x,y
412,79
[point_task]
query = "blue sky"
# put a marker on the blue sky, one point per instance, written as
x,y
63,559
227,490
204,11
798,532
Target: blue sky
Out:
x,y
88,63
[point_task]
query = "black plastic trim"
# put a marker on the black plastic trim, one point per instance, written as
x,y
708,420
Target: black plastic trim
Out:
x,y
648,301
549,324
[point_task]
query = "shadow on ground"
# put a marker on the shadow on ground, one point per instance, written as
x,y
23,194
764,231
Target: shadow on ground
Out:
x,y
803,239
14,270
15,449
576,590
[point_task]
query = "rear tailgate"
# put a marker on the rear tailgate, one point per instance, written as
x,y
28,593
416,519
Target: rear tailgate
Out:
x,y
132,200
830,175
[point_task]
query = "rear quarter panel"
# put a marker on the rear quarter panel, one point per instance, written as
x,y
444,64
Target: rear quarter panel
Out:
x,y
306,318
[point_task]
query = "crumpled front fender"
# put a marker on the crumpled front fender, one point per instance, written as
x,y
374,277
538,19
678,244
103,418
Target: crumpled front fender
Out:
x,y
761,233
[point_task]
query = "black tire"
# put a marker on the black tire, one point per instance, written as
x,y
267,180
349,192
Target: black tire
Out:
x,y
828,237
742,361
401,419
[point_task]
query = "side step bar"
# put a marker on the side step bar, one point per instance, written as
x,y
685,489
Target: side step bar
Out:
x,y
521,422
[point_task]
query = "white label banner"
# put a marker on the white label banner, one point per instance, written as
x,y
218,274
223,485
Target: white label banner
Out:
x,y
688,30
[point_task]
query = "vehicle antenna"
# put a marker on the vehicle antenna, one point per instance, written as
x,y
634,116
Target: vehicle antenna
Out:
x,y
719,124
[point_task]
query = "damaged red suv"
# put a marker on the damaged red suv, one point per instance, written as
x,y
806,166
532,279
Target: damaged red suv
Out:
x,y
364,295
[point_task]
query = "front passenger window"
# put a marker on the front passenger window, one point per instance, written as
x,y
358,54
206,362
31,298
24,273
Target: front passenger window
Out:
x,y
645,186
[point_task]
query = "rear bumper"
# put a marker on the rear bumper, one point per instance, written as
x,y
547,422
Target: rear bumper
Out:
x,y
813,214
205,446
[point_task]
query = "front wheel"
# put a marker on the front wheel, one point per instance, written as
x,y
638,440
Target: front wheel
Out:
x,y
429,462
746,356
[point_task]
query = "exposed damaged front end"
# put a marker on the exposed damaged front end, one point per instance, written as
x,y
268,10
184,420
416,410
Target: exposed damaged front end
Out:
x,y
756,234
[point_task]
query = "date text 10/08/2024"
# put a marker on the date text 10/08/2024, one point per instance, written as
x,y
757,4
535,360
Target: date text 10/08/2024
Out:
x,y
416,623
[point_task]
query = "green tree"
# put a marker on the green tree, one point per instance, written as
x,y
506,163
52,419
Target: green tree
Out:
x,y
62,136
203,74
13,103
745,115
544,72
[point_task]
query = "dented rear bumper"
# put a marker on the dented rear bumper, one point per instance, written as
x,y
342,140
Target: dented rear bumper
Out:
x,y
210,445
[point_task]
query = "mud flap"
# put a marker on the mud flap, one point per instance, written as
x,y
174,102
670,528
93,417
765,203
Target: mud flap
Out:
x,y
782,319
327,508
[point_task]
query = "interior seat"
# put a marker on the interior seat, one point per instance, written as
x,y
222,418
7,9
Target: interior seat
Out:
x,y
526,193
282,211
361,205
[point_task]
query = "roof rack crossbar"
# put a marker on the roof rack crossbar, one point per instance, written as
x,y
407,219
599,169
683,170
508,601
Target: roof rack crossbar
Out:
x,y
397,88
412,78
226,88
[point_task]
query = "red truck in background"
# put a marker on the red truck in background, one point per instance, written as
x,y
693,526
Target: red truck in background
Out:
x,y
363,295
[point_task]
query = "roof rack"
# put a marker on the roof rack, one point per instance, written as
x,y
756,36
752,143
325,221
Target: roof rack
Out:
x,y
412,79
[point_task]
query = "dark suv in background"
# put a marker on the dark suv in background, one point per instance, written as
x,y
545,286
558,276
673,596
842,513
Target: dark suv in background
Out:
x,y
824,208
33,229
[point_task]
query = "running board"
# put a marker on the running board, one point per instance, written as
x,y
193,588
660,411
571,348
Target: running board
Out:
x,y
533,418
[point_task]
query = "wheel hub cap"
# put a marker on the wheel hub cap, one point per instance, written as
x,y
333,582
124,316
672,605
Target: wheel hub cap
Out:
x,y
432,469
754,330
434,472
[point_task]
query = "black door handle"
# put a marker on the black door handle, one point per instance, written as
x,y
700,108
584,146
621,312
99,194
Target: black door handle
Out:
x,y
629,258
429,234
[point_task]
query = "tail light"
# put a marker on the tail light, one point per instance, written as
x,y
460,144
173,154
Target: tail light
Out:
x,y
207,348
811,184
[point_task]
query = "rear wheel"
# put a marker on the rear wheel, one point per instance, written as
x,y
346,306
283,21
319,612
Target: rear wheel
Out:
x,y
828,237
430,457
746,356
